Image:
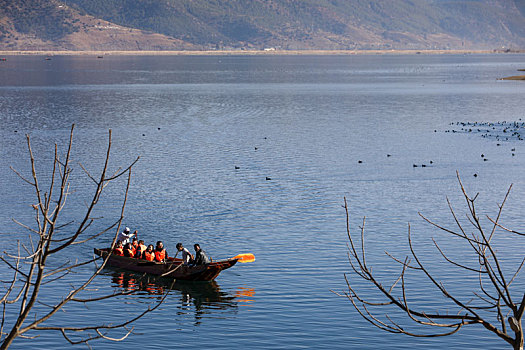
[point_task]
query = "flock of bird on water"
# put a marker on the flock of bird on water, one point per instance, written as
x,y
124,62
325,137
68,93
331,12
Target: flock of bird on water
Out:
x,y
499,131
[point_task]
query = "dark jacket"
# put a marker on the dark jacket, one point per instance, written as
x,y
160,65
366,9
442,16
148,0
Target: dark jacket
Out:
x,y
201,258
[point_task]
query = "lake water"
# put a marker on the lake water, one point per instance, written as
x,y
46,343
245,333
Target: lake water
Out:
x,y
321,128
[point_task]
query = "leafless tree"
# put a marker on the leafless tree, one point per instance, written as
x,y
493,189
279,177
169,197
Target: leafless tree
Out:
x,y
492,304
35,261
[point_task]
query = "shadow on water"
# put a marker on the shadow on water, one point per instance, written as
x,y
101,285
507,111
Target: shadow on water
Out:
x,y
203,299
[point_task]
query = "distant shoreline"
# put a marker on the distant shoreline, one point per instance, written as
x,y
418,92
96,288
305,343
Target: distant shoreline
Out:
x,y
249,52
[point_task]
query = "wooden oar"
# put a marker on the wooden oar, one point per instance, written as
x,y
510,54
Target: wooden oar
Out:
x,y
245,258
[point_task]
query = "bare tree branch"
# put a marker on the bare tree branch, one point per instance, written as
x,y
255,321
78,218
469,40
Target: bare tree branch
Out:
x,y
494,303
30,269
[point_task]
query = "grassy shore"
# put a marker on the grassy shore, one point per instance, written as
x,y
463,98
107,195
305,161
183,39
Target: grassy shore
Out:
x,y
247,52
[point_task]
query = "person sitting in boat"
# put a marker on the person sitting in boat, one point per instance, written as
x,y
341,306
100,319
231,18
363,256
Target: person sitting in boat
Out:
x,y
125,236
140,249
200,256
129,251
134,244
149,253
118,249
160,253
187,257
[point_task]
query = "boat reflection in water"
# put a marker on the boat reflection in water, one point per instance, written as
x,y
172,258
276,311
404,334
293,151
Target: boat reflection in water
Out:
x,y
245,295
202,299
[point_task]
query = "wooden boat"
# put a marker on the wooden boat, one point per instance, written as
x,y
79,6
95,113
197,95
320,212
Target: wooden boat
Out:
x,y
173,268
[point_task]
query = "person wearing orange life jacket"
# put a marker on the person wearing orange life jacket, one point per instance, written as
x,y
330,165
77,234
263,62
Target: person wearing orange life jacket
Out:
x,y
118,249
149,253
134,245
140,249
160,253
128,250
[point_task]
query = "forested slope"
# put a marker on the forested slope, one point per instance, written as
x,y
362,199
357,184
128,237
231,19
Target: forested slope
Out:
x,y
52,25
286,24
322,23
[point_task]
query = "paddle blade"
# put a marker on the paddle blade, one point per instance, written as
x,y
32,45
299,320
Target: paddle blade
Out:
x,y
245,258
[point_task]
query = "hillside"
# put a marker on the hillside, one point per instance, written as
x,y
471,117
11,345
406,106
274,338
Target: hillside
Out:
x,y
258,24
51,25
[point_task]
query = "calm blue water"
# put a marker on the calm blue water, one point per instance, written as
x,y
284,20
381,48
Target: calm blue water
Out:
x,y
305,122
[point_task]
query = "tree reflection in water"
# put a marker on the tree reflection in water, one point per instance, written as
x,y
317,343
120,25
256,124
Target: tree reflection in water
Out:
x,y
200,298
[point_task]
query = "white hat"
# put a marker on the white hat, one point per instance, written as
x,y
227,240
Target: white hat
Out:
x,y
126,230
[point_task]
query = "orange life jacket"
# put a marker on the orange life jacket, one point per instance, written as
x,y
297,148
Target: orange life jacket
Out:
x,y
150,256
119,251
159,256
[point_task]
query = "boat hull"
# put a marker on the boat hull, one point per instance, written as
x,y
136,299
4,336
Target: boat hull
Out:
x,y
173,268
